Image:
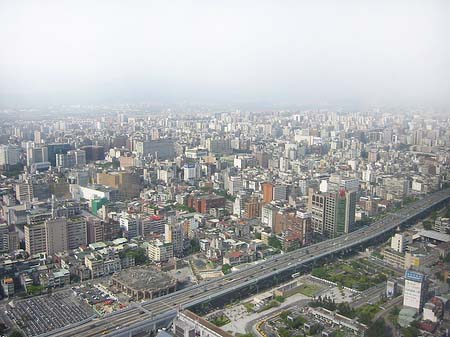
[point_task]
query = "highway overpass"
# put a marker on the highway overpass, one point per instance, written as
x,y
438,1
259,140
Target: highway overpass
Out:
x,y
148,315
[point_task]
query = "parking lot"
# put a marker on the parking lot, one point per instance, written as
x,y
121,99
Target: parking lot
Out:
x,y
37,315
102,300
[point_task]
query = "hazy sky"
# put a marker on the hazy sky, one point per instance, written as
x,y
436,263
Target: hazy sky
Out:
x,y
294,52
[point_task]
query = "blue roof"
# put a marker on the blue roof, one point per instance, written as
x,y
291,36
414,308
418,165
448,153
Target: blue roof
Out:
x,y
413,276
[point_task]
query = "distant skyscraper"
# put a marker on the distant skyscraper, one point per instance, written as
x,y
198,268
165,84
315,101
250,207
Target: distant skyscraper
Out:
x,y
267,192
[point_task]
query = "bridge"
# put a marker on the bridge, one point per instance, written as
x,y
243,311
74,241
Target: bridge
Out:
x,y
147,316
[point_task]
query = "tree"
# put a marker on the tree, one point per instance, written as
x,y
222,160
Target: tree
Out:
x,y
16,333
378,329
195,246
274,242
226,269
140,255
410,332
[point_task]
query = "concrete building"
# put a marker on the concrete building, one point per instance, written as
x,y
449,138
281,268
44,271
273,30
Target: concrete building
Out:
x,y
188,324
56,235
415,290
161,148
9,155
128,184
134,282
268,215
399,242
71,159
35,238
174,234
76,232
267,192
333,214
130,225
159,251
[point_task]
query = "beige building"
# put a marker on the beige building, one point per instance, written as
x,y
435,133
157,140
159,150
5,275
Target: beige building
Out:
x,y
56,235
127,183
76,232
160,251
35,238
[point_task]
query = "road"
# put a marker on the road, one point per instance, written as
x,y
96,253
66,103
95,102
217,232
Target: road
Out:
x,y
124,320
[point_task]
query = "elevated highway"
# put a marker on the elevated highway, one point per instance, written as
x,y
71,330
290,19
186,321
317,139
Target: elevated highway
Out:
x,y
145,316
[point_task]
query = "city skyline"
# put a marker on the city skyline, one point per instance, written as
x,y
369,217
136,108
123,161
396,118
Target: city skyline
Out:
x,y
260,53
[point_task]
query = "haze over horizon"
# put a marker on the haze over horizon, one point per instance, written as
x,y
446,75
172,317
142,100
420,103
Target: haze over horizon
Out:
x,y
291,52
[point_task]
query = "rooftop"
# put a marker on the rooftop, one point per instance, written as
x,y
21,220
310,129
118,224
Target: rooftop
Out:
x,y
142,278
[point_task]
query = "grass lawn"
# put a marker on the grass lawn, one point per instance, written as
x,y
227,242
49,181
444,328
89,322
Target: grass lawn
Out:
x,y
221,320
249,306
310,289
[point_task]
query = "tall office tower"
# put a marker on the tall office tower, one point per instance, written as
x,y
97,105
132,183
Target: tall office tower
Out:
x,y
339,213
174,234
24,191
80,157
35,238
95,230
161,148
127,183
130,225
279,192
4,238
267,192
56,148
333,214
37,137
234,184
56,234
9,155
73,158
76,232
316,206
415,290
36,153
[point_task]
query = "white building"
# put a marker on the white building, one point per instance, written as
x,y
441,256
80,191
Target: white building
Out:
x,y
399,242
414,291
9,155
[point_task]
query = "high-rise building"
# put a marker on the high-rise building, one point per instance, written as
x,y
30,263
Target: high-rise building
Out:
x,y
56,235
95,230
267,192
73,158
35,238
130,225
9,155
252,208
415,290
268,215
174,234
161,148
56,148
399,242
316,208
36,153
234,184
94,152
76,232
279,192
333,214
160,251
4,238
127,183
